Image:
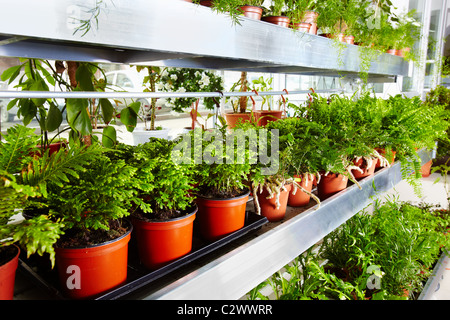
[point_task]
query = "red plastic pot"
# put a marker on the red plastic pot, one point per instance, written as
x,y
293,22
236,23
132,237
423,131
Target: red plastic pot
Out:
x,y
331,184
233,118
218,217
8,277
161,242
278,20
300,198
252,12
87,272
269,207
367,171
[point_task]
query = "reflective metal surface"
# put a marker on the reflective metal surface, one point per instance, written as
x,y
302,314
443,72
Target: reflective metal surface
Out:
x,y
174,33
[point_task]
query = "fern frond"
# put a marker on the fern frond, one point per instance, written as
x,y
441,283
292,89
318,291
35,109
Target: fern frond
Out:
x,y
17,149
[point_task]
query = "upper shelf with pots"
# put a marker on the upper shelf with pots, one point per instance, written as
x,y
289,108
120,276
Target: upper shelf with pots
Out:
x,y
179,34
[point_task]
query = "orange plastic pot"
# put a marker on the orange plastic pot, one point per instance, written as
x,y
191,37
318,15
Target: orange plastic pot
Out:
x,y
367,171
425,170
87,272
278,20
383,153
233,118
311,17
252,12
164,241
263,117
302,26
8,277
300,198
331,184
219,217
269,207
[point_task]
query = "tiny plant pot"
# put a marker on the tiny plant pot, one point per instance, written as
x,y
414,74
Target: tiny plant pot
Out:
x,y
269,207
367,170
263,117
331,184
302,26
90,271
278,20
383,153
217,218
425,169
299,198
252,12
161,242
8,273
311,17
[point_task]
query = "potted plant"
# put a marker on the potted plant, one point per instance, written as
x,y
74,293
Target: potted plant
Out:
x,y
25,181
190,80
301,138
239,105
163,212
91,257
222,182
263,116
302,15
235,8
275,13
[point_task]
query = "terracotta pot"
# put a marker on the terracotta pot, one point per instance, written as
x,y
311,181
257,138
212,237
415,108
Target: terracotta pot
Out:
x,y
425,170
252,12
8,276
219,217
402,52
349,39
331,184
311,17
161,242
392,51
233,118
206,3
89,271
300,198
302,26
263,117
268,206
383,153
367,171
278,20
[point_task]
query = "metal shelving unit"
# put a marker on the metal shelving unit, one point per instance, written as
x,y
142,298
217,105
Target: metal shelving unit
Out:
x,y
194,36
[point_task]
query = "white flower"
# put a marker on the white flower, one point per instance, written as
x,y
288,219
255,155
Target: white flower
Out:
x,y
173,77
165,73
159,86
204,81
181,89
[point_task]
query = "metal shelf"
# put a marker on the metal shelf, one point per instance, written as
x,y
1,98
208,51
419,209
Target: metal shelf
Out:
x,y
176,33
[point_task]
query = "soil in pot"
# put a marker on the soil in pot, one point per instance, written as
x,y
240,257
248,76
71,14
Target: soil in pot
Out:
x,y
331,184
9,260
263,117
86,270
367,168
278,20
218,217
160,242
252,12
269,207
299,198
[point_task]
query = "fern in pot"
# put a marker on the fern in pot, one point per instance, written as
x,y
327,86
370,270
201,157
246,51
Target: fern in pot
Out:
x,y
163,209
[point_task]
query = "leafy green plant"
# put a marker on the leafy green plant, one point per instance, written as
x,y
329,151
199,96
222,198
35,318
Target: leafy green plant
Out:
x,y
232,7
163,187
296,9
26,180
276,8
